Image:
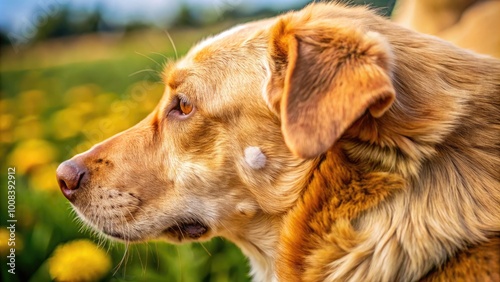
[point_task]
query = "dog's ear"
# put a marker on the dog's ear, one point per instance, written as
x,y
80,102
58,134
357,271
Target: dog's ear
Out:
x,y
323,77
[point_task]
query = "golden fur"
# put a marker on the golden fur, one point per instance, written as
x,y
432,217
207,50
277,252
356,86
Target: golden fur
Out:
x,y
382,149
471,24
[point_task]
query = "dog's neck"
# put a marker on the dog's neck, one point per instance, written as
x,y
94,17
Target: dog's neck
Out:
x,y
319,229
344,202
258,240
278,245
258,236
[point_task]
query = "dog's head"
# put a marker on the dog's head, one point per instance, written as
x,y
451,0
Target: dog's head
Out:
x,y
290,86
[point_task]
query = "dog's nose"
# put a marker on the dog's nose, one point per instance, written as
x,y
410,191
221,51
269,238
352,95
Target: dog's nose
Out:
x,y
69,177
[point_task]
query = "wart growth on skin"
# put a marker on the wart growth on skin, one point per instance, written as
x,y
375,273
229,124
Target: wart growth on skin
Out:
x,y
254,157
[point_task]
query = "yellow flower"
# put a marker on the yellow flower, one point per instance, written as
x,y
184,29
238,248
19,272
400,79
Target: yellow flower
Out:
x,y
32,102
43,178
83,108
66,123
103,102
79,260
6,124
4,239
81,93
31,153
7,106
29,127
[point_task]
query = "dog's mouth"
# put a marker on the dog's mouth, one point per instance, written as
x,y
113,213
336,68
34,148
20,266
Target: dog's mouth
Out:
x,y
180,230
120,236
186,230
116,235
192,230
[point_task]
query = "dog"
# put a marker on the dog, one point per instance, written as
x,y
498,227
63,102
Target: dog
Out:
x,y
328,143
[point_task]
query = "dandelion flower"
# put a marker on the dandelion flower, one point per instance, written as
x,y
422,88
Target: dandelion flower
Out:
x,y
4,239
81,93
29,127
66,123
42,178
79,260
31,153
32,102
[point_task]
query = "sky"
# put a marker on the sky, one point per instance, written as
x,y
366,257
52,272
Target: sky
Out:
x,y
19,15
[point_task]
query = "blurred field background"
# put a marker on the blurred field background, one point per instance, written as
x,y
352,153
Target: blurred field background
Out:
x,y
71,77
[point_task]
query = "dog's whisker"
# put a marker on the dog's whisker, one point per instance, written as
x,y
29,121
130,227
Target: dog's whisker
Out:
x,y
160,54
225,227
147,258
141,71
124,257
148,57
108,245
157,256
140,208
180,261
180,229
143,266
172,43
206,250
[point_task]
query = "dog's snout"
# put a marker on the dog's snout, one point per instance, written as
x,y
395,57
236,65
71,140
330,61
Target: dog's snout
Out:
x,y
69,177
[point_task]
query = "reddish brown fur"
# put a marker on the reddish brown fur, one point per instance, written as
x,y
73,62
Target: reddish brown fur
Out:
x,y
322,219
476,263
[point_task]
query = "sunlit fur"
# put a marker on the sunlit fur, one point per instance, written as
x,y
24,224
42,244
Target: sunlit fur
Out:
x,y
471,24
381,145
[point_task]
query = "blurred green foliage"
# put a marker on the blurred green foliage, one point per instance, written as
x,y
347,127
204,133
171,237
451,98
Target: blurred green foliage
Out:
x,y
68,20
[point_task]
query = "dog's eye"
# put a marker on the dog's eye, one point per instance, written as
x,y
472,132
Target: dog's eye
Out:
x,y
185,107
180,107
